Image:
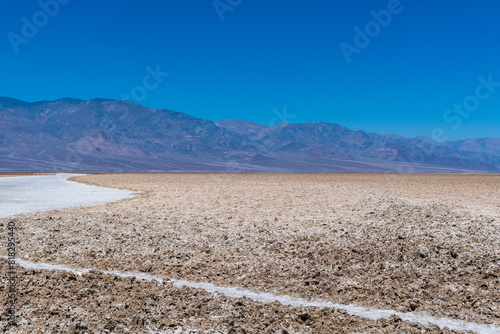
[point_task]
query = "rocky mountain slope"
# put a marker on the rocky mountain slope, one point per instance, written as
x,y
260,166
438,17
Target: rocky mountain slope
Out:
x,y
110,135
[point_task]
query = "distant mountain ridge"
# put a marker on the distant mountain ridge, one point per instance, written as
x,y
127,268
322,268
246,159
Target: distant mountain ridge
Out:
x,y
102,135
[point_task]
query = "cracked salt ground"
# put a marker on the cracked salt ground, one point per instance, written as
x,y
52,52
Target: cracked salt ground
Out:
x,y
234,292
373,248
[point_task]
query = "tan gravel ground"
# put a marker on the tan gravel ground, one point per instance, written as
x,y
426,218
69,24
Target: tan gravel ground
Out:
x,y
425,243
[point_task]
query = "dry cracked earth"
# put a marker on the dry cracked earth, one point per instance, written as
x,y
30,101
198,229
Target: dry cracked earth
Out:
x,y
423,243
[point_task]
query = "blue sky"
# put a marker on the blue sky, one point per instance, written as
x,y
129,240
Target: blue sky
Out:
x,y
256,59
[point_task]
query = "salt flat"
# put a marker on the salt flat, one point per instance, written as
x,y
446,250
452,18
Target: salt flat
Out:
x,y
410,243
23,194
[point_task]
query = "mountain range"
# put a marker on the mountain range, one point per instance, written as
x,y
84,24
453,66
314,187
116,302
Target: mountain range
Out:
x,y
103,135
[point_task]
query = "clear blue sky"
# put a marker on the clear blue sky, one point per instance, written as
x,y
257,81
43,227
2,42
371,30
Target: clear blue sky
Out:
x,y
264,55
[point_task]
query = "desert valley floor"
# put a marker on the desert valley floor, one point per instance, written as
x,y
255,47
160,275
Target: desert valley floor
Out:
x,y
428,244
